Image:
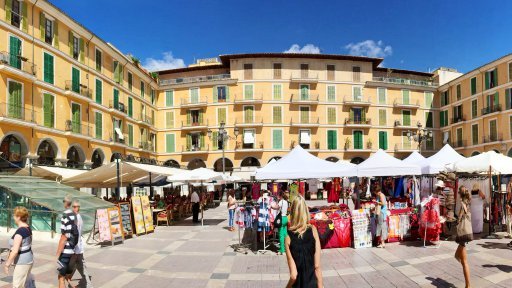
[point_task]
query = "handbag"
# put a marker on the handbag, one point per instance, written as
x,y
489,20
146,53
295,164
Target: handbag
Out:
x,y
278,222
464,228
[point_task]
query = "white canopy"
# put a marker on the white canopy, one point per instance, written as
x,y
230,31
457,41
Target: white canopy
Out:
x,y
383,164
346,164
300,164
414,158
481,163
197,175
50,172
437,162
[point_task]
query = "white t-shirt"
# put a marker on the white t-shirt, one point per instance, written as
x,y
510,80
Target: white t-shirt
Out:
x,y
194,198
79,248
284,207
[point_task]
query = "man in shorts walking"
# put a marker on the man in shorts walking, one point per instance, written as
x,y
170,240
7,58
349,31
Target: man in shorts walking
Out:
x,y
65,249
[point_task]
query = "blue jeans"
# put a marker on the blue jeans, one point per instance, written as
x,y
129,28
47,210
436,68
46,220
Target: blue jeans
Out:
x,y
231,217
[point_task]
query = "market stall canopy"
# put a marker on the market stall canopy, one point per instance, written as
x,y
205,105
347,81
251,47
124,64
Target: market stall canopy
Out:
x,y
106,175
437,162
414,158
196,175
51,172
346,164
300,164
383,164
483,163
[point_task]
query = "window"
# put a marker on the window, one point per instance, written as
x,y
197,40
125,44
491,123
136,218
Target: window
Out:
x,y
474,108
15,52
221,115
356,74
330,72
169,119
304,92
491,78
357,93
194,117
99,61
331,115
459,93
248,91
358,116
383,140
277,91
152,95
473,86
15,14
170,143
429,98
331,93
118,73
304,71
305,138
443,121
247,71
381,92
76,118
98,125
49,110
493,103
406,141
406,97
169,98
48,33
458,133
508,98
304,114
75,47
143,88
445,97
277,70
277,114
277,139
429,119
358,139
116,98
130,81
493,130
193,94
510,72
383,117
130,135
15,100
474,134
75,80
130,107
457,114
406,118
220,94
429,143
99,91
48,68
332,139
248,140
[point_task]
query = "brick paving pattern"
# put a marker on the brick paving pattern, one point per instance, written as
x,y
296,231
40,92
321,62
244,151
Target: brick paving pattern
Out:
x,y
190,256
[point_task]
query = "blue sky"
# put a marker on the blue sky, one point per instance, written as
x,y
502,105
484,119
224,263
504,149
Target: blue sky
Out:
x,y
409,34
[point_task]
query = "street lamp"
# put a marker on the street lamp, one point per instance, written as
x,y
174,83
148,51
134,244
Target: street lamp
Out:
x,y
420,135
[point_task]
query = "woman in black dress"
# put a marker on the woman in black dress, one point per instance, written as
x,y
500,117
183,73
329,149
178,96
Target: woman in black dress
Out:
x,y
303,248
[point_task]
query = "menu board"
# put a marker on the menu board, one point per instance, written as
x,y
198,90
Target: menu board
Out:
x,y
103,224
361,228
148,214
114,216
138,218
126,218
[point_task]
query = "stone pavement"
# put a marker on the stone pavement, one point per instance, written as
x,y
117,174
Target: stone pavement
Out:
x,y
190,256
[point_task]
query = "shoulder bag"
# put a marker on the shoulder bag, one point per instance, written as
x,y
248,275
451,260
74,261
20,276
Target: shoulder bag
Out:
x,y
464,228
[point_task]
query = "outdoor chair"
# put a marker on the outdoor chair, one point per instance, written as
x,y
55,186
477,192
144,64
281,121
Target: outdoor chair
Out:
x,y
162,217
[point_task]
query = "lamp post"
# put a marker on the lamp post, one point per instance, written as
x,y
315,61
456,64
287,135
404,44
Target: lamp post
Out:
x,y
223,134
422,134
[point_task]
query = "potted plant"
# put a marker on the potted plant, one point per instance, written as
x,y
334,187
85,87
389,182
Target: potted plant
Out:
x,y
348,143
135,60
369,144
154,75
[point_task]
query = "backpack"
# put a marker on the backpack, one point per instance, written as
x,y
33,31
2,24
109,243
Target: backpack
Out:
x,y
74,236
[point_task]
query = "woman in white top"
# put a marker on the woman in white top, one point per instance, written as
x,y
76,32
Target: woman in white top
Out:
x,y
231,209
283,231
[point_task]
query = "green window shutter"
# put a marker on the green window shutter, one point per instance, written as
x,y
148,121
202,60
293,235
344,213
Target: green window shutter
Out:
x,y
48,68
130,107
76,120
382,117
82,49
98,61
277,116
201,116
383,140
332,139
459,93
49,110
304,92
98,125
99,91
121,74
382,95
215,140
331,93
507,98
473,86
474,108
487,81
116,98
495,74
441,118
428,99
42,25
142,88
15,52
405,96
24,14
277,92
56,34
169,98
15,95
496,98
221,115
304,114
248,114
429,120
351,114
189,117
8,11
170,143
406,115
249,92
169,119
277,139
201,141
130,135
358,140
474,134
189,142
227,93
75,80
331,115
357,93
215,94
70,42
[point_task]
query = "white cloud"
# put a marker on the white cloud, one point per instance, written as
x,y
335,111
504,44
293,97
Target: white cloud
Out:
x,y
167,62
308,49
369,48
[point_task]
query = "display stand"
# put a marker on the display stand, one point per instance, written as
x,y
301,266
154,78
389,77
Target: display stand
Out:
x,y
265,246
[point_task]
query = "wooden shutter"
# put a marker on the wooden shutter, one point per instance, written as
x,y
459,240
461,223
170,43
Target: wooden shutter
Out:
x,y
277,116
42,24
429,120
382,95
189,142
130,107
474,134
487,80
331,93
49,112
473,86
331,115
215,140
277,139
75,80
496,99
8,11
201,116
14,51
170,143
248,92
495,75
277,92
304,92
383,140
169,98
405,96
189,117
216,94
358,140
24,16
130,135
201,141
406,118
507,98
332,139
382,117
82,49
248,114
221,114
98,119
304,114
70,42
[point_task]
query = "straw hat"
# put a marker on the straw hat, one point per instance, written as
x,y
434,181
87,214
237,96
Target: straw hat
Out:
x,y
476,187
440,183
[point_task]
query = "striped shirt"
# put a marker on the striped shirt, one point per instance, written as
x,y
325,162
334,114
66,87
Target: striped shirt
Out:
x,y
68,217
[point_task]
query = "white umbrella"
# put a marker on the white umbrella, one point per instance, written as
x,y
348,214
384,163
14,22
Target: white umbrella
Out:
x,y
196,175
414,158
483,163
383,164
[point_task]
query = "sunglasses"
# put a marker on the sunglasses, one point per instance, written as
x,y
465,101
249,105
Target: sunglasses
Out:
x,y
75,206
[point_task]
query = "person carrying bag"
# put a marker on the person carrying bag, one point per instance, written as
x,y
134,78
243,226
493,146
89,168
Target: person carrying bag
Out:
x,y
464,232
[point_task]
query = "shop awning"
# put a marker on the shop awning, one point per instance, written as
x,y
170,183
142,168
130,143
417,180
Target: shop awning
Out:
x,y
50,172
414,158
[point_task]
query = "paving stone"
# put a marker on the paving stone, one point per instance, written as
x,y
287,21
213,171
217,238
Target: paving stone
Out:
x,y
220,276
136,270
399,263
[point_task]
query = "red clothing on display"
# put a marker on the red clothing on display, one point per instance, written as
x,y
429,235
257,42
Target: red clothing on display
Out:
x,y
333,190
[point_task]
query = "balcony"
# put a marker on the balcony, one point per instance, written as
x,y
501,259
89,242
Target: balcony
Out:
x,y
304,99
460,143
194,125
76,88
304,77
77,128
17,63
358,122
404,81
406,104
147,146
146,119
493,137
117,106
114,137
17,112
309,122
458,119
491,109
249,122
198,79
194,149
248,100
191,103
399,125
356,101
405,147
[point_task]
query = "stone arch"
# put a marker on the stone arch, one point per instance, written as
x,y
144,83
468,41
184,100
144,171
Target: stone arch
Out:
x,y
217,166
172,163
275,158
332,159
476,153
97,158
48,151
116,155
75,156
14,148
196,163
357,160
250,162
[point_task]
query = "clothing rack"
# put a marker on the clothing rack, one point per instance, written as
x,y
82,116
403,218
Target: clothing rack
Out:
x,y
240,247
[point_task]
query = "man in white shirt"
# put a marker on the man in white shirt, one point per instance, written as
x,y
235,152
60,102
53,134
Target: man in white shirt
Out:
x,y
79,249
194,198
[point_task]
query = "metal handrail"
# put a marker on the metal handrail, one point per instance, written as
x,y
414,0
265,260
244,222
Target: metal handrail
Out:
x,y
404,81
18,61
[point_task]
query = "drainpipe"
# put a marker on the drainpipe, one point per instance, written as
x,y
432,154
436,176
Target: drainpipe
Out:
x,y
32,86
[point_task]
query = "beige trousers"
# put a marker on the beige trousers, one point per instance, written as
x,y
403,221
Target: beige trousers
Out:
x,y
19,276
